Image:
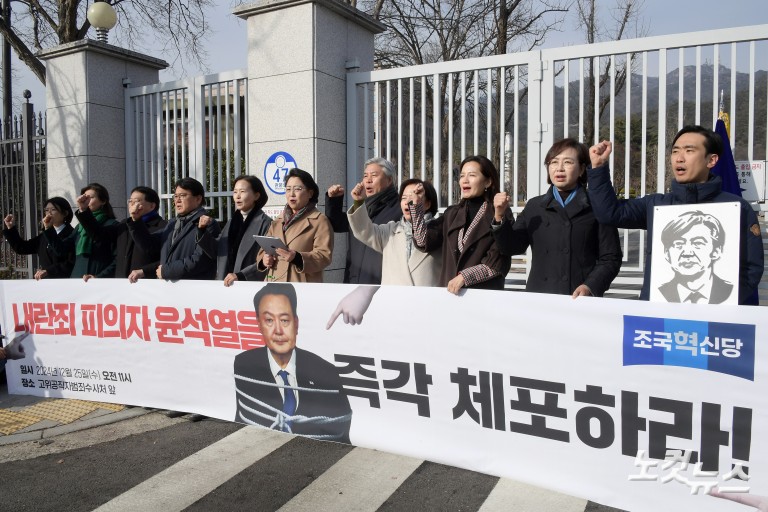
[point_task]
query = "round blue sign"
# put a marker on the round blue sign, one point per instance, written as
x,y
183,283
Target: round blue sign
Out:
x,y
277,166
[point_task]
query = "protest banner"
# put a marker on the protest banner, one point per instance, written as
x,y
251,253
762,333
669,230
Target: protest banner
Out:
x,y
637,405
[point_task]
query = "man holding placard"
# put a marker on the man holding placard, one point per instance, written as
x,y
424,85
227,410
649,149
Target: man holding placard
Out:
x,y
695,151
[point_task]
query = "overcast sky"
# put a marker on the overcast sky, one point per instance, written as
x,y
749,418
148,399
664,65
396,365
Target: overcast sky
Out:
x,y
227,44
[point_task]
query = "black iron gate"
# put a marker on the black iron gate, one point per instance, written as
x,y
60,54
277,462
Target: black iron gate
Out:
x,y
23,184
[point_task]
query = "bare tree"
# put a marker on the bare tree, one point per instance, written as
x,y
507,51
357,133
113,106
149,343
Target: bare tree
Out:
x,y
428,31
625,20
519,27
178,25
422,32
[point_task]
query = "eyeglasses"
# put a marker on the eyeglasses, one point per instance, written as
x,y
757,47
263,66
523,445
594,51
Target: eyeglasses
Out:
x,y
132,202
180,196
565,163
298,190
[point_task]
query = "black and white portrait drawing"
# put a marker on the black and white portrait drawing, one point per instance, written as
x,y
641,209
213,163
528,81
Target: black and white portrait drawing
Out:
x,y
694,259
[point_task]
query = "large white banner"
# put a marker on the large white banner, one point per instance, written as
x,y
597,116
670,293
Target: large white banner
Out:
x,y
632,404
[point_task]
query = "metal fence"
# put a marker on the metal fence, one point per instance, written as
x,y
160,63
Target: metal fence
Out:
x,y
195,128
637,93
23,184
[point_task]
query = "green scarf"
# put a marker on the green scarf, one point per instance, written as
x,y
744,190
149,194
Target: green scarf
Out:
x,y
84,240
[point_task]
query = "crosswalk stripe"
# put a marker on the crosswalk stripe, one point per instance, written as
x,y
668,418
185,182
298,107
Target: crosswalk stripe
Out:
x,y
513,496
180,485
361,481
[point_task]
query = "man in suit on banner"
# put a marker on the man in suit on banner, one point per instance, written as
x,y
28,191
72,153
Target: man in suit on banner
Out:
x,y
693,243
283,387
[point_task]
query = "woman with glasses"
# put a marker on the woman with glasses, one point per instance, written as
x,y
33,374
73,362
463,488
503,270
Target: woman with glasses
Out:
x,y
571,253
306,233
58,214
93,257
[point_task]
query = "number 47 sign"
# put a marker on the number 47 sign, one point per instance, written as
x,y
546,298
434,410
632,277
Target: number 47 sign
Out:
x,y
277,166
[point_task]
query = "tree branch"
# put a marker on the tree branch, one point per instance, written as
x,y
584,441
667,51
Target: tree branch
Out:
x,y
23,52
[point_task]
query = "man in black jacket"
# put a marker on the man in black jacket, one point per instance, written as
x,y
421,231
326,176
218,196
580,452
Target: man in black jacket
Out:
x,y
383,205
181,256
130,260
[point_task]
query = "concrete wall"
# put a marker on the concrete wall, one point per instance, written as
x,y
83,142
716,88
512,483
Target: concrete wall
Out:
x,y
86,115
297,63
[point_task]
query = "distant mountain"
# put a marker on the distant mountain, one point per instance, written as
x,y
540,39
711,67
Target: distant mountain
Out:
x,y
689,88
689,99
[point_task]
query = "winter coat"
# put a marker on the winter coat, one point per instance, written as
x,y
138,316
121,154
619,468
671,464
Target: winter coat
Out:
x,y
245,259
480,248
312,237
128,256
56,266
420,269
569,247
363,264
182,258
638,214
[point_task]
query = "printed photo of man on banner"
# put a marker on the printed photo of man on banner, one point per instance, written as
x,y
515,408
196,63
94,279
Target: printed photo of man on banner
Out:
x,y
283,387
694,261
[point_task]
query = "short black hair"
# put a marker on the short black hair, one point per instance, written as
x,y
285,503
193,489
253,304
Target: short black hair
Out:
x,y
191,184
712,141
62,205
150,195
256,186
307,180
430,194
285,289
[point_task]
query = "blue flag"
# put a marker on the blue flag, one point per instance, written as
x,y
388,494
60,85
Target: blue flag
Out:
x,y
726,166
726,169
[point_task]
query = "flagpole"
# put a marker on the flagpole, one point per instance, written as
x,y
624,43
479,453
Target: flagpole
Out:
x,y
720,108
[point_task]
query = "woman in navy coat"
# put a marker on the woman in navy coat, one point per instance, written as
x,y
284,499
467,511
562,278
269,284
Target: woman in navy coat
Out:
x,y
572,253
58,213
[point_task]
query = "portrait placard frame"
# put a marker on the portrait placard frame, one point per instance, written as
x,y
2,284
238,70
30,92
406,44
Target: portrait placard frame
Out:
x,y
687,259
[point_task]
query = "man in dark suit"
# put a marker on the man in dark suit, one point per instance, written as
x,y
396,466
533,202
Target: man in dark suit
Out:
x,y
184,252
382,202
283,387
131,261
692,244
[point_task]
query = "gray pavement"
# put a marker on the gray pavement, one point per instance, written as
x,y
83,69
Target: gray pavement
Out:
x,y
218,474
31,418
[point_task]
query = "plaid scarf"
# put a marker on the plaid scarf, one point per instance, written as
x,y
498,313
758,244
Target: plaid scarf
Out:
x,y
464,234
289,217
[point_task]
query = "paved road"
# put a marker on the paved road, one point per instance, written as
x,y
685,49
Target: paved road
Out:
x,y
156,463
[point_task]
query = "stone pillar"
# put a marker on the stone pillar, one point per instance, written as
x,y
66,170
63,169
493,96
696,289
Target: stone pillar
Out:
x,y
298,54
86,115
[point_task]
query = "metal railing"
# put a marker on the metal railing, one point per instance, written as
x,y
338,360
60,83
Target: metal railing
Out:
x,y
196,128
511,108
23,184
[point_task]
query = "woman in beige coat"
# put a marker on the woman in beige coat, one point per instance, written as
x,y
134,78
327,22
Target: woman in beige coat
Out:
x,y
402,263
306,232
